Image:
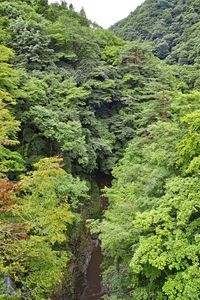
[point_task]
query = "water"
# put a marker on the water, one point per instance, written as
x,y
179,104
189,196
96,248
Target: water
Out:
x,y
9,285
94,289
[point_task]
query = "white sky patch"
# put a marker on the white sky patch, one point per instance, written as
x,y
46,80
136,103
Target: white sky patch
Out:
x,y
105,12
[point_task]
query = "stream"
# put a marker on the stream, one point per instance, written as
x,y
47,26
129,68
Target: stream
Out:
x,y
94,289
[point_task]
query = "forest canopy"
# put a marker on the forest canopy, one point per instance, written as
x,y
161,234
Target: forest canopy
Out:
x,y
173,27
79,104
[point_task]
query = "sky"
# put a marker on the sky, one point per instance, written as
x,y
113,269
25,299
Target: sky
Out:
x,y
105,12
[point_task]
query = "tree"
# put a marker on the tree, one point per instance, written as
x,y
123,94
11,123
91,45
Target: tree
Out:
x,y
31,45
43,205
166,261
40,6
71,7
173,27
64,3
189,146
140,179
82,12
10,161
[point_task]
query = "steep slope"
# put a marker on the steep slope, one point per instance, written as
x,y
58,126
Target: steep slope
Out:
x,y
173,26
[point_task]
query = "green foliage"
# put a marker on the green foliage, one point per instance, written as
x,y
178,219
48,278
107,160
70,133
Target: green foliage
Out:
x,y
88,103
152,261
67,35
9,126
9,76
30,44
172,26
10,161
189,146
46,191
167,257
92,123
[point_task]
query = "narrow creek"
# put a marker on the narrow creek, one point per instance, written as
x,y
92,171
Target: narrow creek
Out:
x,y
94,289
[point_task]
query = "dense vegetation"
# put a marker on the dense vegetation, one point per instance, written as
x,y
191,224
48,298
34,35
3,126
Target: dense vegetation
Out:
x,y
173,26
76,101
150,232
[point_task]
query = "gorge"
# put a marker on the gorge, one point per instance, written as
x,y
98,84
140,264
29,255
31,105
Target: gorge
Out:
x,y
99,153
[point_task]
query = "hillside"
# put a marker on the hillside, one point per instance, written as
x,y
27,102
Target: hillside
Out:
x,y
173,26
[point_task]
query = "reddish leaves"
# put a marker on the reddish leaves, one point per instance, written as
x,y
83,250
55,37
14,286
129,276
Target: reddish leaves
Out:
x,y
7,201
7,189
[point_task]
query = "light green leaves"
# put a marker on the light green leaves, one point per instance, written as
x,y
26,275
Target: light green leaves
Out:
x,y
168,242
